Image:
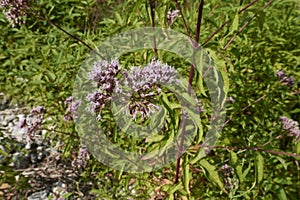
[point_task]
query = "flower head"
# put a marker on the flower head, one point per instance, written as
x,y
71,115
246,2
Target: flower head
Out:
x,y
291,126
227,173
227,170
15,10
144,85
32,123
82,158
231,99
104,74
71,112
286,80
172,15
140,86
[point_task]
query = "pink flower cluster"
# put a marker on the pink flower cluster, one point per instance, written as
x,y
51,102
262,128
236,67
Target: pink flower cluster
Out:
x,y
172,15
82,159
71,112
104,74
291,126
15,10
31,124
286,80
144,85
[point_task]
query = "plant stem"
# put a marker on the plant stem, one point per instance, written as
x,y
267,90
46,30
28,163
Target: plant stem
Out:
x,y
245,108
36,14
195,148
200,13
244,26
152,6
64,133
192,71
183,19
226,22
247,6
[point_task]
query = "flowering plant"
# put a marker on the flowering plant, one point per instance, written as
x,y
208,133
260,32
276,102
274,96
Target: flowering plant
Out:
x,y
252,157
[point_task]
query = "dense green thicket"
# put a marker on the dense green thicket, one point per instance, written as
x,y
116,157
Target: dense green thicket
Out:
x,y
39,63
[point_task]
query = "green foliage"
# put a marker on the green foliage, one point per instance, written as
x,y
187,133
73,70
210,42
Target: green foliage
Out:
x,y
39,63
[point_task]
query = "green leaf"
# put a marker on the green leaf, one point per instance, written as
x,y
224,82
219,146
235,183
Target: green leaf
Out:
x,y
261,19
212,173
174,188
167,103
235,24
245,173
297,110
119,18
282,195
298,148
198,64
199,155
152,154
282,161
158,118
50,75
259,166
186,173
166,144
234,162
154,138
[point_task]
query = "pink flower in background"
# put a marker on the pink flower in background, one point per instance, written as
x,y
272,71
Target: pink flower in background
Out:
x,y
291,126
15,10
286,80
172,15
32,123
82,158
71,112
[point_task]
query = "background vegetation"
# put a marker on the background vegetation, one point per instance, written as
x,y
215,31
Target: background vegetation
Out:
x,y
39,63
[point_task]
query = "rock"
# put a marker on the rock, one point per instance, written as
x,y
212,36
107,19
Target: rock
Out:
x,y
8,119
5,104
59,189
3,157
41,195
3,149
41,153
19,161
33,158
